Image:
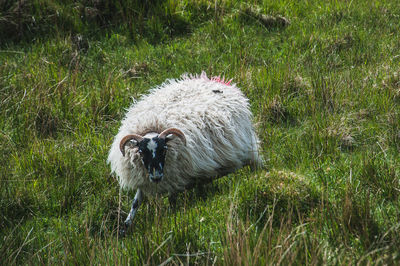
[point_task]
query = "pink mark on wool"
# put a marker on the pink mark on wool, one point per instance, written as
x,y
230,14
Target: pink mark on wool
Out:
x,y
221,80
203,75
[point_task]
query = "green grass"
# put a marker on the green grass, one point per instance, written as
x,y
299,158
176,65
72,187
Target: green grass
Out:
x,y
324,91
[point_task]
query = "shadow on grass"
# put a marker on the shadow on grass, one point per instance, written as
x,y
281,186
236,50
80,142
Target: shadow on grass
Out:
x,y
283,193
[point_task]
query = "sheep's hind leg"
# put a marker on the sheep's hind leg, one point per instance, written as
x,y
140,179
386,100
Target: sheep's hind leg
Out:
x,y
135,206
172,201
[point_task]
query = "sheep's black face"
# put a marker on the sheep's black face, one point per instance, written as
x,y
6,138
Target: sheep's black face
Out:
x,y
153,153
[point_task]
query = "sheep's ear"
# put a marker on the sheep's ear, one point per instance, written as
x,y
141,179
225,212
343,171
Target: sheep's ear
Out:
x,y
169,134
173,136
132,143
131,140
169,137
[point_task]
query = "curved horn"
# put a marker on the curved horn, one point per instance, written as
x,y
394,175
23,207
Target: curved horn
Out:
x,y
127,138
174,131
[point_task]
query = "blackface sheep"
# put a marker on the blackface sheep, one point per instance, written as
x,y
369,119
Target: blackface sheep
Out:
x,y
184,132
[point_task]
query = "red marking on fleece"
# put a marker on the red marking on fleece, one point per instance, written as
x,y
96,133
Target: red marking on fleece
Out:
x,y
221,80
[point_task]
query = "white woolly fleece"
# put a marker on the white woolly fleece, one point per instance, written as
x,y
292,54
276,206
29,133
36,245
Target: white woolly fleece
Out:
x,y
213,114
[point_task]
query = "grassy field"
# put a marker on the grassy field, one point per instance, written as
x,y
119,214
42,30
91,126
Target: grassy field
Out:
x,y
323,79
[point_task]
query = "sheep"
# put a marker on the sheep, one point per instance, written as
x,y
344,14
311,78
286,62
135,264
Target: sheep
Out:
x,y
186,131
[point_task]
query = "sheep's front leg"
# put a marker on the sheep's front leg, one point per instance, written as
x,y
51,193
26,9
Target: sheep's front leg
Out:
x,y
135,206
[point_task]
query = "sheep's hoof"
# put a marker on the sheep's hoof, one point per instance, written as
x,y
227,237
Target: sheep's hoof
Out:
x,y
122,232
124,229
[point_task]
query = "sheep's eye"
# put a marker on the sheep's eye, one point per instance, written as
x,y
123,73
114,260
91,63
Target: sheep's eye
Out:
x,y
166,147
140,151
